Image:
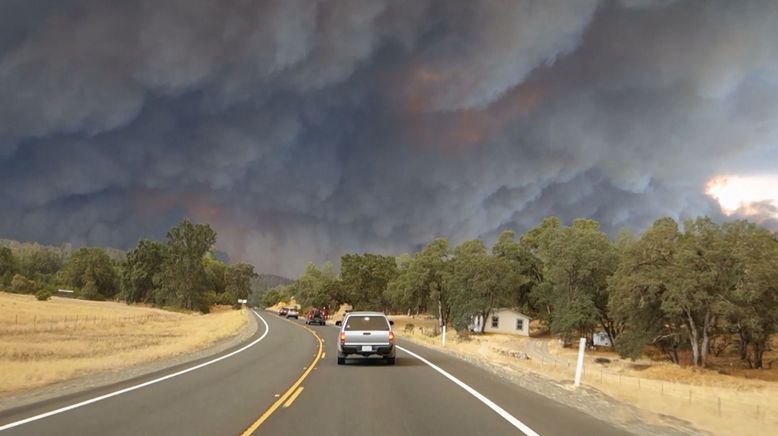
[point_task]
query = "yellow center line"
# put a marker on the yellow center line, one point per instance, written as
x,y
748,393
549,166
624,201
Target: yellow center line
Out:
x,y
292,389
293,397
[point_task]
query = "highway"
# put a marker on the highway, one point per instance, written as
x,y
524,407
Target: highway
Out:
x,y
285,380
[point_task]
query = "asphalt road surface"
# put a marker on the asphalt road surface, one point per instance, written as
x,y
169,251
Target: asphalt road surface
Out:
x,y
285,381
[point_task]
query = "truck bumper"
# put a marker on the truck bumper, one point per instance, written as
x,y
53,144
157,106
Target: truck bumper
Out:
x,y
381,350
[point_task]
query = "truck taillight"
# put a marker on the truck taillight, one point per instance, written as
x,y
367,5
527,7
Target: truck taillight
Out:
x,y
391,337
342,337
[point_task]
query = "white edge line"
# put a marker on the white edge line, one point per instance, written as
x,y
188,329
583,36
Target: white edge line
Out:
x,y
138,386
489,403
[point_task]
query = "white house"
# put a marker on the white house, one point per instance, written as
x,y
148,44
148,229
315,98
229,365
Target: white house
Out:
x,y
502,320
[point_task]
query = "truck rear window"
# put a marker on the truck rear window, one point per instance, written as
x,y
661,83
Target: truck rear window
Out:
x,y
367,323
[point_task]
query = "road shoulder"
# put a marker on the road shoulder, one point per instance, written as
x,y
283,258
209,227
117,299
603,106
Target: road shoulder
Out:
x,y
585,399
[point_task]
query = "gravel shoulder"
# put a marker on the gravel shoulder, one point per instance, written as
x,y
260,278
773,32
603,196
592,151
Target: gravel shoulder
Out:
x,y
587,399
106,378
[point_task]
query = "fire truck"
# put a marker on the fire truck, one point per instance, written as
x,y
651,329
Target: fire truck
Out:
x,y
316,316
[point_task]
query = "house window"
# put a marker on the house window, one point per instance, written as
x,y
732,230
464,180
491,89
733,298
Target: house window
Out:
x,y
519,324
495,321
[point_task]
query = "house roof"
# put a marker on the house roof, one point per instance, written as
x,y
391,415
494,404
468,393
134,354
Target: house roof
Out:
x,y
496,309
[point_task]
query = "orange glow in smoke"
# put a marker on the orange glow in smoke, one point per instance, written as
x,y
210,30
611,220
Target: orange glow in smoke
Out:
x,y
152,203
463,129
738,193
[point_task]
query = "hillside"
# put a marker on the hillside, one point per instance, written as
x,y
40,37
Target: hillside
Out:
x,y
263,282
43,342
63,251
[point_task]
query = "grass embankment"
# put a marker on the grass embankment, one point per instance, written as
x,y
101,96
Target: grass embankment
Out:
x,y
710,400
42,342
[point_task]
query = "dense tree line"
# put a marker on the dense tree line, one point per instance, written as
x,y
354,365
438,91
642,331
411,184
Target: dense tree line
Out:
x,y
180,272
30,266
676,289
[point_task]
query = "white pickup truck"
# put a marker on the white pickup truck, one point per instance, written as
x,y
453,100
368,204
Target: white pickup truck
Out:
x,y
366,334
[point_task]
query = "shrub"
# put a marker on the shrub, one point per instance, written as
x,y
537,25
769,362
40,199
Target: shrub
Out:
x,y
90,292
211,298
43,295
23,285
409,328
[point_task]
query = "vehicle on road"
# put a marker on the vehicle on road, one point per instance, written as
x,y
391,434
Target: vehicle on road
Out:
x,y
292,313
283,311
366,334
315,316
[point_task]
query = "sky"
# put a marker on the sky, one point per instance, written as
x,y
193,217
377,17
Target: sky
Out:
x,y
302,130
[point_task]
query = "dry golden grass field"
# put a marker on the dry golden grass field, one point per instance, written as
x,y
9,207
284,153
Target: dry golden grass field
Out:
x,y
716,402
43,342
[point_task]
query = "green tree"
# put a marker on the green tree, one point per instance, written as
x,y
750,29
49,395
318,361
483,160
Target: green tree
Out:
x,y
638,288
702,279
319,287
524,264
143,264
216,274
674,288
237,279
752,307
270,298
532,242
424,278
479,282
22,285
365,279
577,261
404,291
92,272
183,280
7,266
40,262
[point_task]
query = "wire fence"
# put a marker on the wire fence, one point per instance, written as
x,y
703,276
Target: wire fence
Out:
x,y
760,406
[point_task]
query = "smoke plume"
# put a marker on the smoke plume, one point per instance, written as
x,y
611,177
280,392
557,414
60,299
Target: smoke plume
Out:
x,y
304,129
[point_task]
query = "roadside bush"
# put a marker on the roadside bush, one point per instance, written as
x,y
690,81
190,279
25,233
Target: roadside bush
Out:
x,y
5,278
22,285
43,295
409,328
212,298
90,292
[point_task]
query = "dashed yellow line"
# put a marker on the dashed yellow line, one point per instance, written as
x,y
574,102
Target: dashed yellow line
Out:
x,y
292,391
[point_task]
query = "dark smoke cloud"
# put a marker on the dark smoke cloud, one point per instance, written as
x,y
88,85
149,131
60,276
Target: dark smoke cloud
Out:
x,y
305,129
